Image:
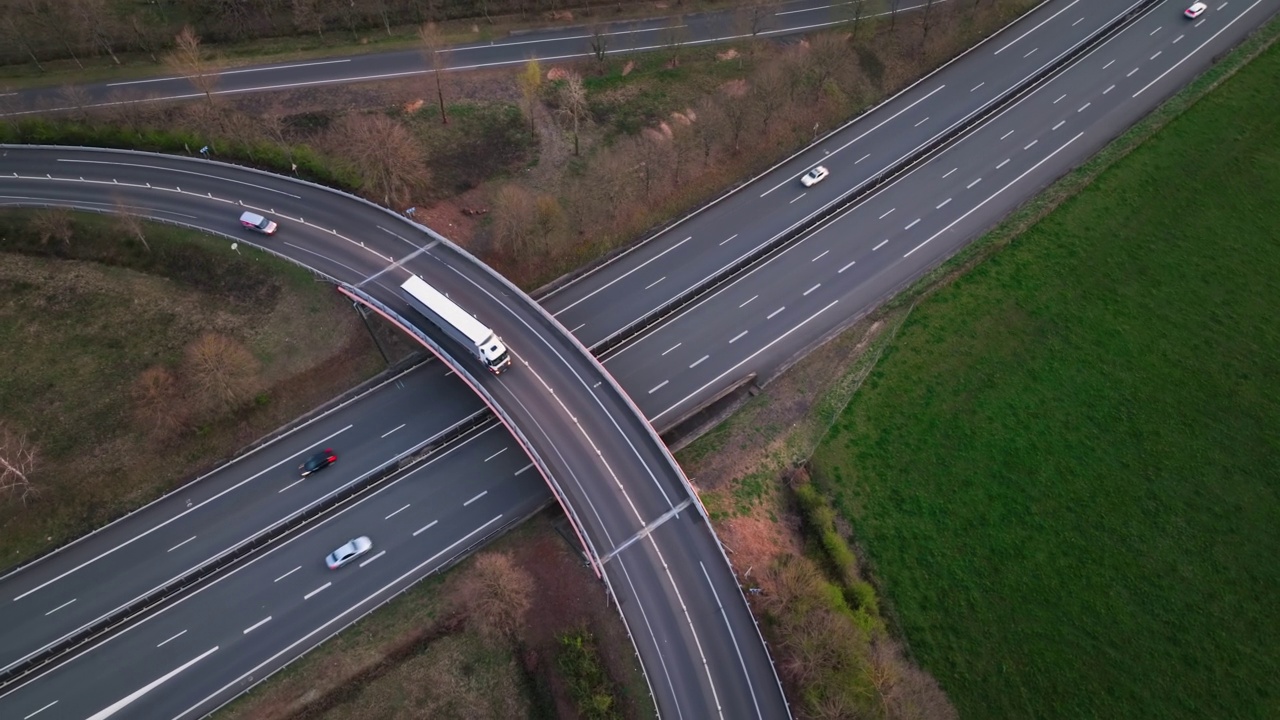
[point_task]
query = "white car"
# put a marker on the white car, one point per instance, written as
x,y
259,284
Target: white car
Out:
x,y
345,554
1196,10
814,176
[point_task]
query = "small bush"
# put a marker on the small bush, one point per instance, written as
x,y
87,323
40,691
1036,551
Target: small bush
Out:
x,y
589,685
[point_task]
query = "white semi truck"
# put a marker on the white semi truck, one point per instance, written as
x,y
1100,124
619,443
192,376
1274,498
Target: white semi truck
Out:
x,y
457,324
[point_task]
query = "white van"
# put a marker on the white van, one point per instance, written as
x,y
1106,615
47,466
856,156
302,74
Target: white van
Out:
x,y
257,223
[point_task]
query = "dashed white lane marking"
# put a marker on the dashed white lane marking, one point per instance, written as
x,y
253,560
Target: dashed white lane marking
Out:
x,y
673,347
1003,163
798,197
406,507
944,203
375,557
748,301
846,267
659,386
1029,54
815,287
308,596
737,337
1028,147
129,699
729,238
287,574
1055,102
175,637
581,325
1131,72
700,360
184,542
263,621
1104,92
864,157
1222,6
949,172
236,72
775,312
655,282
1199,22
1109,64
970,185
428,526
1037,27
55,702
59,607
1153,32
887,214
911,224
1077,22
286,487
1082,107
489,458
1153,57
1060,124
398,427
824,252
921,122
524,469
975,87
877,247
1175,40
1002,137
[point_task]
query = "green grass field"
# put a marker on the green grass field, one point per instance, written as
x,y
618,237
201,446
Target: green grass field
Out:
x,y
1066,470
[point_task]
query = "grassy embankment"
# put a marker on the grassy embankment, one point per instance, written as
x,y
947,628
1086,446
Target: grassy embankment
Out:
x,y
81,321
1064,466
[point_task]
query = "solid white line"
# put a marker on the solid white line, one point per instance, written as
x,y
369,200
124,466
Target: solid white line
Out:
x,y
263,621
234,72
824,252
699,361
949,172
147,532
846,267
184,542
655,282
46,707
431,524
375,557
620,277
401,425
775,312
286,487
970,185
1033,142
287,574
406,507
753,297
490,458
993,195
659,387
308,596
1037,27
815,287
59,607
729,238
1064,122
1082,107
1002,163
911,224
737,337
725,616
124,702
1198,48
944,202
882,244
887,214
486,492
175,637
673,347
745,360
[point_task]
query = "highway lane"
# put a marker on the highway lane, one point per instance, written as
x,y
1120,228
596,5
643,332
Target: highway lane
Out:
x,y
548,44
873,250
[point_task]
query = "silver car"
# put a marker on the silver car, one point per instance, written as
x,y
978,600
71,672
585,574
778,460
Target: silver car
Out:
x,y
345,554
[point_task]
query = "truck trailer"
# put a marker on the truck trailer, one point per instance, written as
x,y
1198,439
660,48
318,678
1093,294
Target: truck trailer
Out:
x,y
445,314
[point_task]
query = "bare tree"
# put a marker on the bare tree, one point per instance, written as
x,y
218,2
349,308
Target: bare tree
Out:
x,y
187,59
599,41
18,459
222,372
674,36
53,224
769,94
574,105
514,216
75,97
497,593
754,16
436,54
390,160
14,33
308,16
130,224
530,81
926,23
96,22
736,113
158,403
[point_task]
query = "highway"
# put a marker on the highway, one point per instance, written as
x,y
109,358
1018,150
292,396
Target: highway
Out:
x,y
547,44
753,324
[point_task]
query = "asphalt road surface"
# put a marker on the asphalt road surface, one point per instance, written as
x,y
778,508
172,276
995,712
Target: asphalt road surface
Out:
x,y
548,45
757,322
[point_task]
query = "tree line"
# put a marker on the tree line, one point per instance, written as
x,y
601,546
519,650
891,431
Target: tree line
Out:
x,y
39,31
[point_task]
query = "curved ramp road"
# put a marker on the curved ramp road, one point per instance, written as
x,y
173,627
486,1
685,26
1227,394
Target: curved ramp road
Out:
x,y
754,323
548,44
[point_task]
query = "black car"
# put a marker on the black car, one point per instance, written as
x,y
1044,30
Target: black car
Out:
x,y
317,462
